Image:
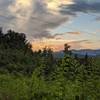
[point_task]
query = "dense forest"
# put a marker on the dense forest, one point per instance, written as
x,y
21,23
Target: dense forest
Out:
x,y
37,75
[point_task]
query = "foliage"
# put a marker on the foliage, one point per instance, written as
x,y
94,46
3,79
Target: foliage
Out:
x,y
28,75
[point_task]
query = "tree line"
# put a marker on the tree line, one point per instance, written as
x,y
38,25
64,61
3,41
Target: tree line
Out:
x,y
37,75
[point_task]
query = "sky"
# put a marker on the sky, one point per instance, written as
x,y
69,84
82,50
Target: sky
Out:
x,y
52,23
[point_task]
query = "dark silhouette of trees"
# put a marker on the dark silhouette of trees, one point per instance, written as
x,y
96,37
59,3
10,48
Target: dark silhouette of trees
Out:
x,y
77,98
15,40
1,33
76,56
86,59
66,49
15,52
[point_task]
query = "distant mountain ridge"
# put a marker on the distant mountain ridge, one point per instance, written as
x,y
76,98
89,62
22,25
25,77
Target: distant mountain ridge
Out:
x,y
89,52
82,52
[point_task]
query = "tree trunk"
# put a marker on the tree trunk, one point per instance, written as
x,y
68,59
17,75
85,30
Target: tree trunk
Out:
x,y
76,97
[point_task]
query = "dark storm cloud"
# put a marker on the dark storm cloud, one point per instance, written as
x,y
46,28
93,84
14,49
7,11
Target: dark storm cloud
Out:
x,y
81,6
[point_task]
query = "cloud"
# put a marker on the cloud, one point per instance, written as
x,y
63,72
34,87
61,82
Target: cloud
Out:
x,y
54,5
78,44
41,25
78,41
74,33
84,44
22,11
36,18
46,34
97,19
84,6
4,4
57,45
61,35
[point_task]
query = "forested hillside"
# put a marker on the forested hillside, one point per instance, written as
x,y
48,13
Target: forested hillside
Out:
x,y
37,75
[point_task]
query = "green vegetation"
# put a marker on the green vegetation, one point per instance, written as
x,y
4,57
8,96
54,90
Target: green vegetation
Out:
x,y
28,75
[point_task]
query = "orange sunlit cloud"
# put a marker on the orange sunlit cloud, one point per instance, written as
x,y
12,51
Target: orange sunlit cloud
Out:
x,y
54,44
57,45
74,33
